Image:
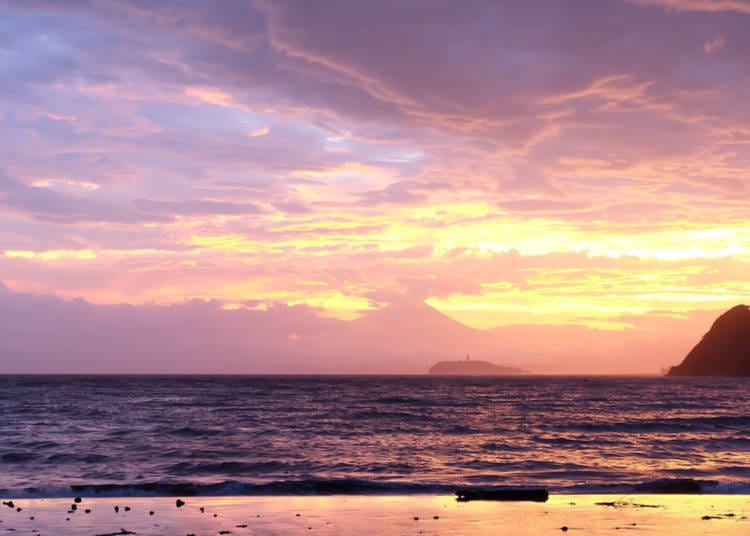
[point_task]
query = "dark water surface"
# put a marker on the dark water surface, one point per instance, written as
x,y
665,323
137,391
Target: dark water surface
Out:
x,y
181,435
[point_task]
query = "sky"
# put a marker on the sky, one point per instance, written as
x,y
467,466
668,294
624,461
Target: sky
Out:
x,y
304,179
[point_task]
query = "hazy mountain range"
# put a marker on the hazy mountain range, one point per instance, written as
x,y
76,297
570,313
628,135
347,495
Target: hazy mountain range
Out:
x,y
49,334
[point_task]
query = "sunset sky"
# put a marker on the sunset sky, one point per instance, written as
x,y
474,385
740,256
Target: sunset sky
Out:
x,y
509,163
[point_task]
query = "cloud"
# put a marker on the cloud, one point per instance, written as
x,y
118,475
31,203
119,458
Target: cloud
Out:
x,y
195,207
710,6
260,132
714,45
405,192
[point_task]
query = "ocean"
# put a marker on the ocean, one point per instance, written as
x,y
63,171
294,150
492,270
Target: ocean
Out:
x,y
257,435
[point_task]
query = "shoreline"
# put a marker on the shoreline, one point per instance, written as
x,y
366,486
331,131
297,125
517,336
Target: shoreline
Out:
x,y
380,514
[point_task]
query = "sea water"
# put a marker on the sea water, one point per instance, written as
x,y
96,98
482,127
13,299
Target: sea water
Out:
x,y
235,435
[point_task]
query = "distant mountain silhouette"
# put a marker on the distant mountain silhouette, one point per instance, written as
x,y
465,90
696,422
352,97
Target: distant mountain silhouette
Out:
x,y
723,351
473,368
409,329
49,334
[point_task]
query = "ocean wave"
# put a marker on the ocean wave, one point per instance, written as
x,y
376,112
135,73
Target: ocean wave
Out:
x,y
353,486
225,467
346,486
17,457
667,486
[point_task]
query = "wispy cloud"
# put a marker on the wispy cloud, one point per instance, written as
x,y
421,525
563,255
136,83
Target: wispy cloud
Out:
x,y
714,45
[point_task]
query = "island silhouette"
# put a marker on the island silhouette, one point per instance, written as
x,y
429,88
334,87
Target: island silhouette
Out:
x,y
469,367
723,351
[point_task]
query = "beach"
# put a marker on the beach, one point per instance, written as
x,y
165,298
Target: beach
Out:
x,y
686,515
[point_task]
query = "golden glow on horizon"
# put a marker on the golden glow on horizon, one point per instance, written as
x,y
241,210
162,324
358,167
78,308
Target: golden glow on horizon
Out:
x,y
538,270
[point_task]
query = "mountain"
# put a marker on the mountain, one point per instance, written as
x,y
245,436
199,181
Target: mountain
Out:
x,y
408,329
723,351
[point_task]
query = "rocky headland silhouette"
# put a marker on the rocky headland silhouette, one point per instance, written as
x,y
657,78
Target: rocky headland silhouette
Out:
x,y
723,351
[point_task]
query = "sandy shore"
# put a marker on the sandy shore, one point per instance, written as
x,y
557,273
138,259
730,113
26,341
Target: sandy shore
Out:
x,y
685,515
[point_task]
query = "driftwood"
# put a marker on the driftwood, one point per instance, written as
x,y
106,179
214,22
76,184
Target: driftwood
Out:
x,y
518,494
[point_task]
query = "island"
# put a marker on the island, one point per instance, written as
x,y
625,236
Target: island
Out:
x,y
468,367
723,351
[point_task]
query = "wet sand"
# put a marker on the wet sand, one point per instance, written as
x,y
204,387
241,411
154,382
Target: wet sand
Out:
x,y
686,515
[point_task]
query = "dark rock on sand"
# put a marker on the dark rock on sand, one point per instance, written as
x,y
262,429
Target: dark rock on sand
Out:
x,y
518,494
723,351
